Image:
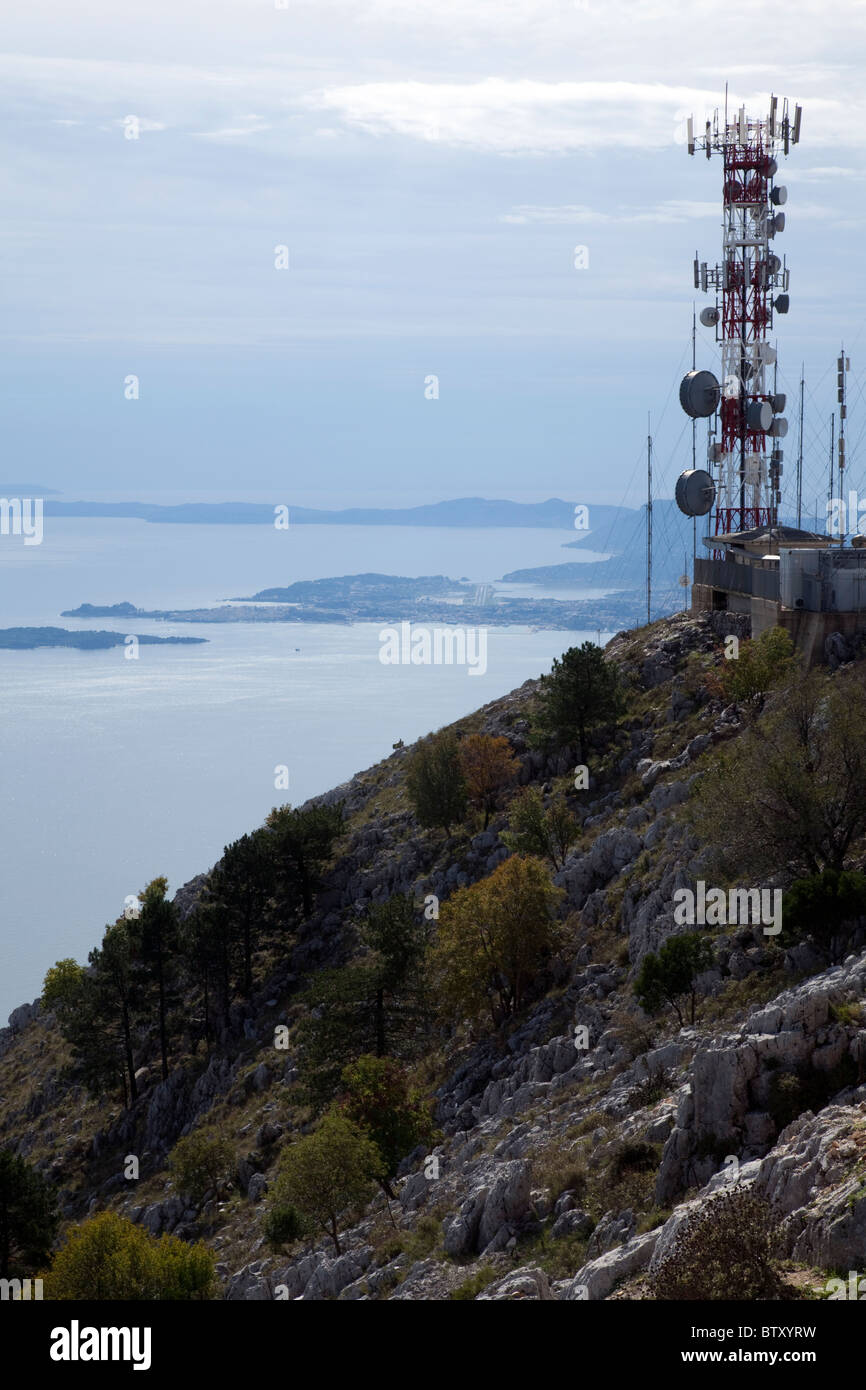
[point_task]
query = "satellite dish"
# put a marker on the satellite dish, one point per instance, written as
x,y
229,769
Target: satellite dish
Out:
x,y
700,394
779,196
695,492
778,402
709,317
759,415
782,303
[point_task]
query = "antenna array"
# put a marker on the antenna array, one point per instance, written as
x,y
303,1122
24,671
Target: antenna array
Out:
x,y
750,286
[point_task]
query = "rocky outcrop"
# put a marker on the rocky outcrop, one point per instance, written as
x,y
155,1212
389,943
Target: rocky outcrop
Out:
x,y
598,1277
725,1107
524,1283
492,1213
815,1180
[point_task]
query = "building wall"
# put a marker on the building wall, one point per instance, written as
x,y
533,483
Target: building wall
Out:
x,y
808,631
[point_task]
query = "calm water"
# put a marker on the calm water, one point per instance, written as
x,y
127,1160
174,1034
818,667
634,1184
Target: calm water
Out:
x,y
116,770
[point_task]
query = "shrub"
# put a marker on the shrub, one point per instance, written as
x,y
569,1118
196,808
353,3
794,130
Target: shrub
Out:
x,y
199,1162
327,1172
634,1156
822,904
793,1092
107,1257
724,1251
475,1284
670,977
283,1224
786,1098
761,665
653,1089
533,830
789,791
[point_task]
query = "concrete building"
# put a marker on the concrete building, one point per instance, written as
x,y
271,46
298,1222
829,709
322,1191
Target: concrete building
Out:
x,y
780,576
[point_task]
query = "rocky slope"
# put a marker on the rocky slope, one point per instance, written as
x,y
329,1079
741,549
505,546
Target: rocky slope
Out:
x,y
563,1172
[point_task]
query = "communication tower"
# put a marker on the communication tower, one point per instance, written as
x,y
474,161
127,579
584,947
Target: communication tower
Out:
x,y
743,477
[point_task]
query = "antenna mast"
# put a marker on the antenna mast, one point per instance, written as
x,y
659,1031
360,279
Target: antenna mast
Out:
x,y
843,366
800,450
750,285
649,519
832,454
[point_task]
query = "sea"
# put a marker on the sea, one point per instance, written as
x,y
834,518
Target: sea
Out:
x,y
117,769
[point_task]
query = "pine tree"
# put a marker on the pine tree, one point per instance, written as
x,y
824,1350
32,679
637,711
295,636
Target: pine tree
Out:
x,y
583,689
435,782
303,841
28,1215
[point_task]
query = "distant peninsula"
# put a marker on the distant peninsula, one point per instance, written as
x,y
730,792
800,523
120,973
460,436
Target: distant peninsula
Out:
x,y
26,638
382,598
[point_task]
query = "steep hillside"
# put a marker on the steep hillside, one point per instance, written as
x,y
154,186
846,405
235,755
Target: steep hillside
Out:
x,y
578,1139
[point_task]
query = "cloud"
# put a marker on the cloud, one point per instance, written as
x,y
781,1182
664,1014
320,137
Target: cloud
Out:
x,y
828,171
232,132
510,116
500,115
670,210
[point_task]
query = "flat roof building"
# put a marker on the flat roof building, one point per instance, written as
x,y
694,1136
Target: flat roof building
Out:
x,y
781,576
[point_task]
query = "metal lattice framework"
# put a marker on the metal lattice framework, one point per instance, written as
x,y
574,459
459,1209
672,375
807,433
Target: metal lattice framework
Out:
x,y
750,284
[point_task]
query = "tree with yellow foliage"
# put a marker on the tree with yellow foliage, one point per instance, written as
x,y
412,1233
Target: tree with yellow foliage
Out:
x,y
488,766
494,937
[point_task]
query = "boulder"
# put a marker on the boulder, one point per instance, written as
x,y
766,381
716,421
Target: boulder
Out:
x,y
596,1279
528,1282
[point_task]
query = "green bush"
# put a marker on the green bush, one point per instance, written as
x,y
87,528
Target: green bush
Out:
x,y
199,1162
821,905
534,830
724,1251
327,1172
107,1257
476,1284
283,1224
793,1092
670,977
761,665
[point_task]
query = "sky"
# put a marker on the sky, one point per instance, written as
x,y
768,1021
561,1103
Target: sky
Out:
x,y
430,169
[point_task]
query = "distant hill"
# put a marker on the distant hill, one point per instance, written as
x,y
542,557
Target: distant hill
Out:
x,y
468,512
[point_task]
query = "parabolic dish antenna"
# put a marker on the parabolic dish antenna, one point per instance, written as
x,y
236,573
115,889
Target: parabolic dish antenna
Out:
x,y
695,492
700,394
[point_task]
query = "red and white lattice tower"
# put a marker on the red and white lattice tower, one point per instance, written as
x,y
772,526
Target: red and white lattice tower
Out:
x,y
751,285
